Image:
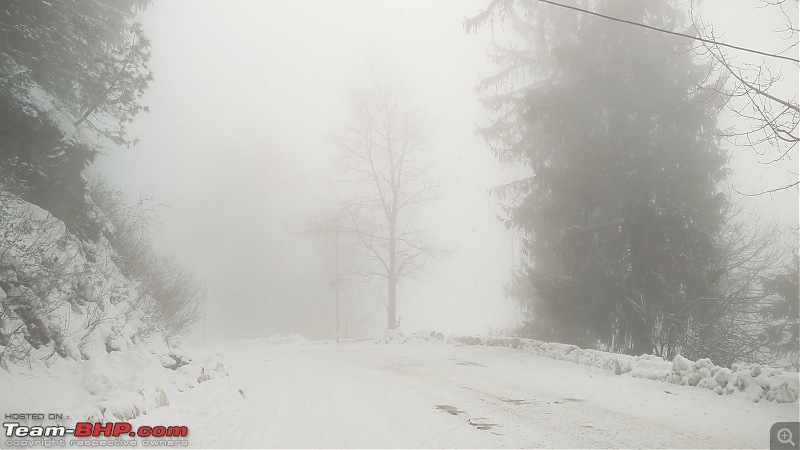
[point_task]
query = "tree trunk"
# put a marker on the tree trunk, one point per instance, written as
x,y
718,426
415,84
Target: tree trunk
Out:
x,y
392,272
392,305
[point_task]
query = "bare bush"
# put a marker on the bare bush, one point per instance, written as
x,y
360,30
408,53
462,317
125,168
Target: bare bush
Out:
x,y
733,325
35,286
171,298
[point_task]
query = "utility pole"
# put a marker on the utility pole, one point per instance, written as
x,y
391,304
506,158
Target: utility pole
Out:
x,y
326,229
337,280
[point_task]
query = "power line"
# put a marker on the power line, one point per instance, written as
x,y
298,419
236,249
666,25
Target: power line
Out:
x,y
674,33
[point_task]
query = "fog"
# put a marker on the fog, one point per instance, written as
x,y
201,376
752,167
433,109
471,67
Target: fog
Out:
x,y
236,144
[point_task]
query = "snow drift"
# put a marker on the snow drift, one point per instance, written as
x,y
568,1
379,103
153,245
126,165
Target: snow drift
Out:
x,y
752,380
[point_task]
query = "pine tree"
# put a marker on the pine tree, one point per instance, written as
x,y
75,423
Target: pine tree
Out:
x,y
622,205
72,75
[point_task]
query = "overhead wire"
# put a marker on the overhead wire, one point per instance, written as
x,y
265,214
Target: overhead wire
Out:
x,y
674,33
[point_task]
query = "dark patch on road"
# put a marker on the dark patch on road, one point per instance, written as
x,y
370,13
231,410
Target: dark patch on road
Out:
x,y
449,409
461,362
515,401
479,423
568,399
482,425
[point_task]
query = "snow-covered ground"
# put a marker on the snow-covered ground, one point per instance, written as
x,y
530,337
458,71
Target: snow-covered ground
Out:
x,y
410,392
287,393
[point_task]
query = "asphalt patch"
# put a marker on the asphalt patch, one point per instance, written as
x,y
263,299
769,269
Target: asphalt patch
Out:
x,y
449,409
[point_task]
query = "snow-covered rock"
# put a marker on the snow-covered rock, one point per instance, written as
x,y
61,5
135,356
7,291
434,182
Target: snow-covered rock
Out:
x,y
61,297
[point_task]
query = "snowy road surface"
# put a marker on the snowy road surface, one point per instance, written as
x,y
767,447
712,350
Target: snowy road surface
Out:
x,y
421,395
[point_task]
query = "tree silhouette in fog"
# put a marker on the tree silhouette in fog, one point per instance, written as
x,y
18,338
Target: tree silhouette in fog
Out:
x,y
384,180
623,204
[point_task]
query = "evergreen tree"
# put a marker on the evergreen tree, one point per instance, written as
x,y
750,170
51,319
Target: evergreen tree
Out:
x,y
72,75
623,204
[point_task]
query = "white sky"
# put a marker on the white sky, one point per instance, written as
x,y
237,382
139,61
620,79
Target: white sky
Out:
x,y
244,95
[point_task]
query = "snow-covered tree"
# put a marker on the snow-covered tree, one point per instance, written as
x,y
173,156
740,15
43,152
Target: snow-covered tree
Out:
x,y
72,75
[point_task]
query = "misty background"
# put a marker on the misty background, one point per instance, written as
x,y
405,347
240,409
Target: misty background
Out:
x,y
244,96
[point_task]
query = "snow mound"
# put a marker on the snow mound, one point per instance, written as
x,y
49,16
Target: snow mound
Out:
x,y
117,386
757,383
398,337
289,340
293,339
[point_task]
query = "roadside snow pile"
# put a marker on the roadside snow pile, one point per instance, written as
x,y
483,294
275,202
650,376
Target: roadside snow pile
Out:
x,y
75,335
760,383
755,382
398,337
294,339
117,386
291,339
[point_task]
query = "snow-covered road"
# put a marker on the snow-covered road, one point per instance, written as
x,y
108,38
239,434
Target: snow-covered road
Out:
x,y
427,395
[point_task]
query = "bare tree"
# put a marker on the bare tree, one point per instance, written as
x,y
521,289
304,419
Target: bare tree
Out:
x,y
385,181
734,324
754,90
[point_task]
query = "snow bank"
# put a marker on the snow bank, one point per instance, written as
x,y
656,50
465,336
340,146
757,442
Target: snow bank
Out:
x,y
398,337
294,339
752,381
74,336
117,386
291,339
755,382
